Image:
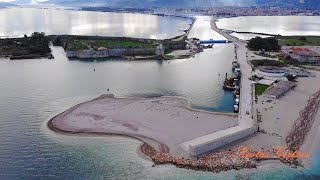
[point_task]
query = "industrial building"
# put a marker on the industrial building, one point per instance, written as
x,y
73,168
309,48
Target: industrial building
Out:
x,y
279,89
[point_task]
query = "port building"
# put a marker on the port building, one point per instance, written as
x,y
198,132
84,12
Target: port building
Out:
x,y
301,54
279,89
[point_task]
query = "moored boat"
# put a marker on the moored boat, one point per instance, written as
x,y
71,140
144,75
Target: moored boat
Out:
x,y
236,108
235,64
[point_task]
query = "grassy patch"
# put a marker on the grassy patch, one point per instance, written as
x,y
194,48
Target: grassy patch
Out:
x,y
86,44
296,41
76,45
260,89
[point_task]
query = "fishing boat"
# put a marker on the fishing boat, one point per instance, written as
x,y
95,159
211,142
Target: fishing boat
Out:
x,y
235,64
229,83
236,92
229,88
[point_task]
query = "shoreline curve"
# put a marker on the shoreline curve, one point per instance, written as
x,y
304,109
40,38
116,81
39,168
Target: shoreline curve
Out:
x,y
155,149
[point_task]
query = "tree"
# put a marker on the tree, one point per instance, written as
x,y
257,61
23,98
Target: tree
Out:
x,y
57,41
267,44
39,37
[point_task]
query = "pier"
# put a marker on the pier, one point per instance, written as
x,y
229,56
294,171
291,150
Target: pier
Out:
x,y
246,124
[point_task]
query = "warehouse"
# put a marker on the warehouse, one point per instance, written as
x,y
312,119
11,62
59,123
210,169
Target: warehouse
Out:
x,y
279,89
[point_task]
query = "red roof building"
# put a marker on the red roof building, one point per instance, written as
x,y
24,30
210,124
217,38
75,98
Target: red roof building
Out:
x,y
302,54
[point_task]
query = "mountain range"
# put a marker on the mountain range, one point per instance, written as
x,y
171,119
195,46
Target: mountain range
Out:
x,y
314,4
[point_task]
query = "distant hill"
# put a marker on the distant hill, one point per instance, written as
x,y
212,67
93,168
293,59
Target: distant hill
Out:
x,y
314,4
194,3
184,3
156,3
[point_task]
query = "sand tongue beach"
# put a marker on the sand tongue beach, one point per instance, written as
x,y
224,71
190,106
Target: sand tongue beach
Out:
x,y
287,131
162,123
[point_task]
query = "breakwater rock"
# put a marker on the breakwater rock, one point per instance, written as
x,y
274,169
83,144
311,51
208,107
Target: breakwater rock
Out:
x,y
215,162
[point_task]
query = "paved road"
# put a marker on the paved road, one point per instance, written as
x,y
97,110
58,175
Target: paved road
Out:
x,y
245,114
246,125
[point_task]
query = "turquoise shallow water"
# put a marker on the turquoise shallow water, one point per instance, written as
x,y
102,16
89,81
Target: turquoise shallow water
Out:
x,y
34,91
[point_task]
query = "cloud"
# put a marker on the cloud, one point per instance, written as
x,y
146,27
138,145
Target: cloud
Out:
x,y
38,1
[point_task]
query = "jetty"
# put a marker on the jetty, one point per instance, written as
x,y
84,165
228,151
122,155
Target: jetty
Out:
x,y
246,124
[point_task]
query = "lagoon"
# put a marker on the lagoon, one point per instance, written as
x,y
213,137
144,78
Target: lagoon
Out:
x,y
15,22
283,25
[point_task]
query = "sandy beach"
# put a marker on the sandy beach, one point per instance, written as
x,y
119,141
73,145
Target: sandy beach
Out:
x,y
164,123
162,120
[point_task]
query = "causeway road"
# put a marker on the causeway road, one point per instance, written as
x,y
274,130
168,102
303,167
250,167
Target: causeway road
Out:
x,y
246,124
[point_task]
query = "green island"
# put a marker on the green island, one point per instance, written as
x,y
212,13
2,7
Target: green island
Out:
x,y
86,47
89,47
33,47
86,44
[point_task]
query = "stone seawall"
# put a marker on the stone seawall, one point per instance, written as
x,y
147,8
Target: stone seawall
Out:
x,y
168,44
216,140
111,53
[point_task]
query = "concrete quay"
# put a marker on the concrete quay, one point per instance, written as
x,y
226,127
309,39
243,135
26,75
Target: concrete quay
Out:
x,y
246,123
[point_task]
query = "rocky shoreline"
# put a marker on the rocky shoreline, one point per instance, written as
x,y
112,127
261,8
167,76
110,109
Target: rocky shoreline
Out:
x,y
215,162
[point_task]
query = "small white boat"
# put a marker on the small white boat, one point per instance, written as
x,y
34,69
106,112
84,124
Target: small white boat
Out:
x,y
237,102
236,108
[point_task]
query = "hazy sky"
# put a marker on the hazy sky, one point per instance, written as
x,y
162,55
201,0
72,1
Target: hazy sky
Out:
x,y
157,2
219,1
31,1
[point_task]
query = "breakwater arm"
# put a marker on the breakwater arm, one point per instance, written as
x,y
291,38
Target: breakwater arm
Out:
x,y
247,125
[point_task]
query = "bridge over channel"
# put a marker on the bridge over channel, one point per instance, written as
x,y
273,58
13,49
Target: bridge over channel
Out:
x,y
211,41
